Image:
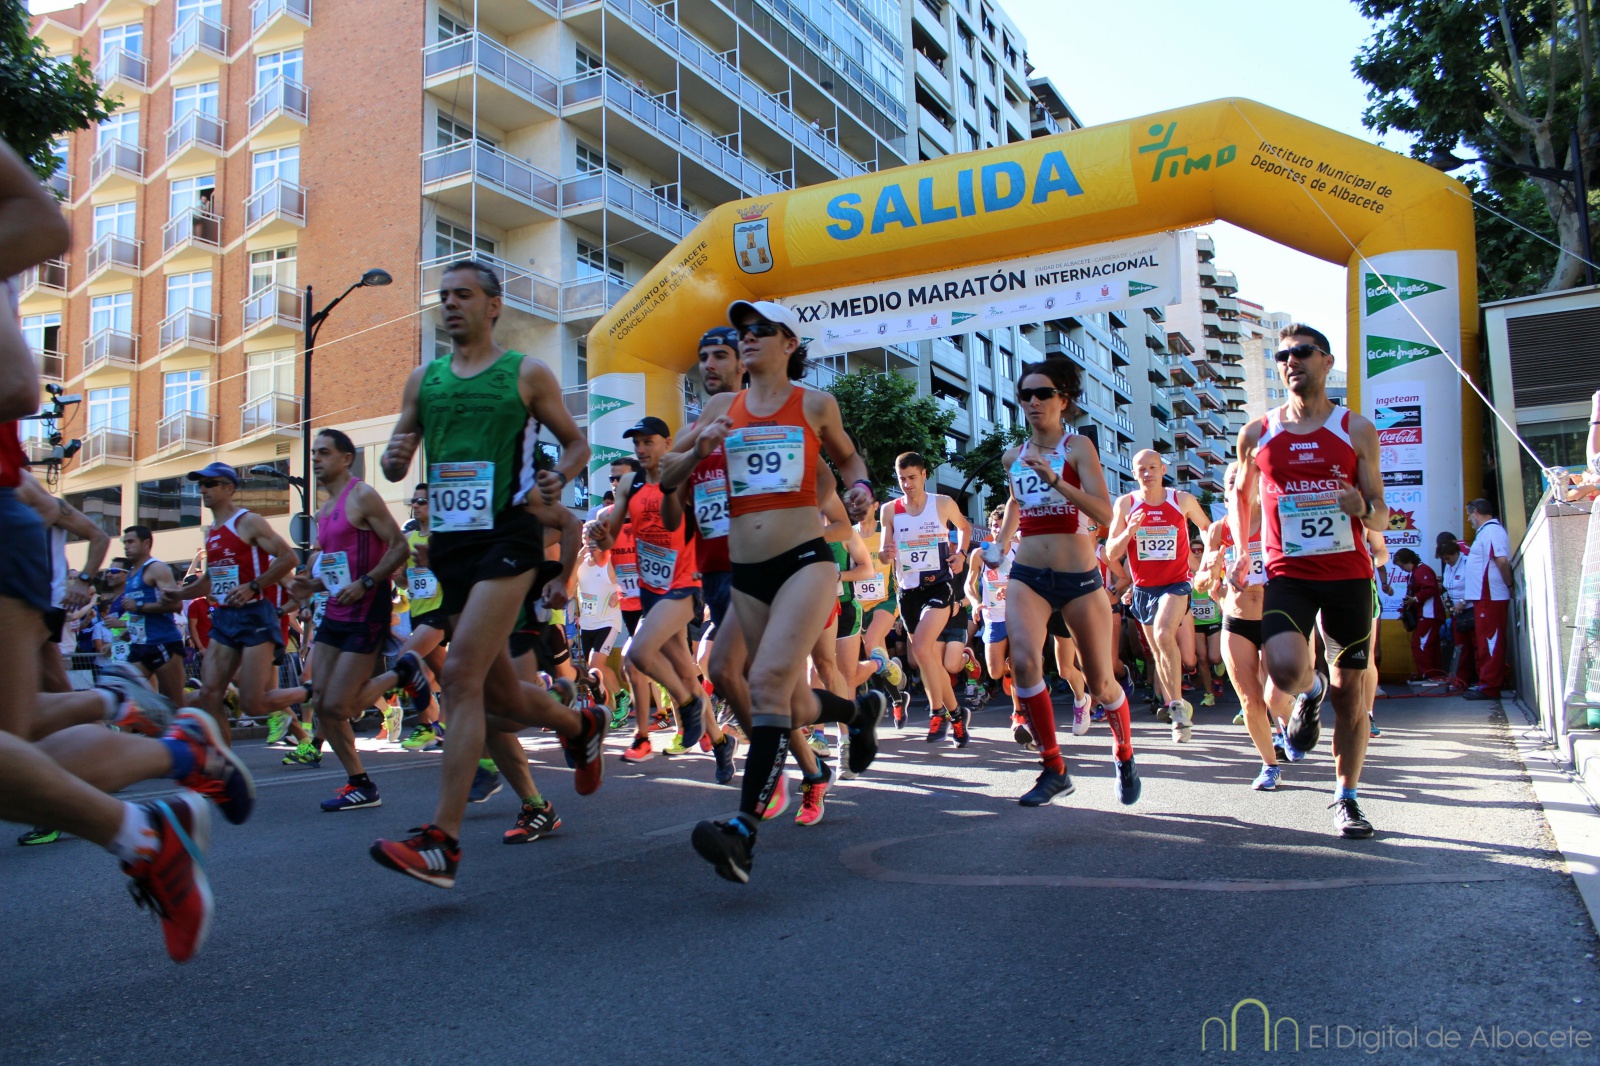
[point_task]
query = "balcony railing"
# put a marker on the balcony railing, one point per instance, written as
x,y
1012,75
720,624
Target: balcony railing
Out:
x,y
1123,423
110,347
49,276
517,179
112,250
188,328
106,446
52,364
263,12
576,399
186,431
192,224
274,305
119,64
195,129
60,183
496,62
1209,392
198,34
277,199
1122,384
1057,342
280,96
276,412
117,157
520,287
629,197
591,297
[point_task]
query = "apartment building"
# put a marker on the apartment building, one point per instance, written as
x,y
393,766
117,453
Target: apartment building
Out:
x,y
1207,396
257,149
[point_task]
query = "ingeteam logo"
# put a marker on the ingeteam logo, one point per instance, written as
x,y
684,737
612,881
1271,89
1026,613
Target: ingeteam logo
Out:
x,y
1271,1032
1169,158
1386,290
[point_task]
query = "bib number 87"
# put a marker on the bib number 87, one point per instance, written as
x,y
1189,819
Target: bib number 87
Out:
x,y
1316,527
462,499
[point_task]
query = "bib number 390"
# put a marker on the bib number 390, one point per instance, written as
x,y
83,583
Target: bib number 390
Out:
x,y
460,497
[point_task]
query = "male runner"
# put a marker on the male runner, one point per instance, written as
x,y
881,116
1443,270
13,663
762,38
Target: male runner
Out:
x,y
988,571
428,626
245,561
1150,526
1316,467
151,598
480,410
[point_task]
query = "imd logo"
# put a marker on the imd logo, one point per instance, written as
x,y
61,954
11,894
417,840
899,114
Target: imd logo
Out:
x,y
1169,158
1270,1030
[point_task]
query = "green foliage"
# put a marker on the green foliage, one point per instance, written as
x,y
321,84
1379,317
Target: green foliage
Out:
x,y
1510,80
983,465
886,417
41,98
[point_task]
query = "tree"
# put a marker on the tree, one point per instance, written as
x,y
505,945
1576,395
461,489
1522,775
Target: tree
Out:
x,y
983,463
886,417
1511,80
42,97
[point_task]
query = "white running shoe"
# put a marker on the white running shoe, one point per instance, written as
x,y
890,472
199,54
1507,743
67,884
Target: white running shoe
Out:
x,y
1081,708
1182,721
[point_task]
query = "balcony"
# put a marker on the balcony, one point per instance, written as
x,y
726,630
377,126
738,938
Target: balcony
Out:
x,y
1160,409
1213,450
576,400
947,355
1237,417
106,447
1232,350
929,14
935,130
1187,464
52,364
1182,370
1213,422
48,278
118,166
934,76
1228,304
1208,272
1205,246
1122,386
1211,321
508,189
187,331
282,106
196,137
277,414
272,308
185,432
1212,396
586,299
194,229
1211,480
60,183
1184,400
1123,424
1119,348
1230,372
274,23
122,69
1226,283
276,209
1187,432
1231,327
112,252
1058,342
1234,395
510,91
198,47
37,449
640,209
521,288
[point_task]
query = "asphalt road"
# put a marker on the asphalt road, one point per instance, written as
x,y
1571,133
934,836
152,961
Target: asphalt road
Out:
x,y
928,919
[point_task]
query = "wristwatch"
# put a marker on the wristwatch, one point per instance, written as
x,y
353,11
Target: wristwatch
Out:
x,y
255,586
368,583
85,578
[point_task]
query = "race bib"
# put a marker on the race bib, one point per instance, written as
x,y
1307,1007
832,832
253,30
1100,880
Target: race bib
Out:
x,y
656,566
224,579
119,650
872,589
319,607
1031,488
766,459
920,555
1258,563
421,584
460,496
588,606
334,569
711,508
1156,543
1204,609
136,629
628,581
1310,523
994,591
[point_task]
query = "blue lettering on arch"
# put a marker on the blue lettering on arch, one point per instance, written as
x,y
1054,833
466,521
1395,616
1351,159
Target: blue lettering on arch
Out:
x,y
892,207
1055,175
849,221
930,213
1016,185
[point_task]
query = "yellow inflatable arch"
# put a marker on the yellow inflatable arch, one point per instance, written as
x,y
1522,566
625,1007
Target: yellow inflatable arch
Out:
x,y
1404,230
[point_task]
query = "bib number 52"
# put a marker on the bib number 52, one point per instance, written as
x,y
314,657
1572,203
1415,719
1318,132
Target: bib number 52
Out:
x,y
1316,526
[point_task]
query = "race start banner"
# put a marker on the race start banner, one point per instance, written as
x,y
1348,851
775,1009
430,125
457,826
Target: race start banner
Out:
x,y
616,402
1120,275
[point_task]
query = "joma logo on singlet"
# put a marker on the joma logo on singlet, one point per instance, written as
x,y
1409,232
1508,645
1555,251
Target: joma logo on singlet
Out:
x,y
1303,446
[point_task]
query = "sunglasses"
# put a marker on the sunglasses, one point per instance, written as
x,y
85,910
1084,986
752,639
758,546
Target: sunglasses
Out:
x,y
1047,393
762,329
1299,351
615,478
421,501
211,483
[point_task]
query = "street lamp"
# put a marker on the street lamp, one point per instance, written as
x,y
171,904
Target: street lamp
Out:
x,y
371,279
1446,161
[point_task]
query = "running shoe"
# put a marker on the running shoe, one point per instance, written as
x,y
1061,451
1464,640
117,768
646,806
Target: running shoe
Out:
x,y
818,741
959,734
278,727
171,879
705,742
1098,714
724,753
424,737
532,823
565,692
896,673
1267,779
727,846
845,773
619,712
881,658
1208,700
1348,819
693,718
1163,713
413,681
864,731
218,774
812,794
675,746
1047,787
485,783
639,751
39,835
899,709
140,709
428,856
1080,714
624,703
352,797
938,728
1129,787
305,755
779,801
391,723
1372,726
585,750
1300,736
1238,719
1182,721
1022,733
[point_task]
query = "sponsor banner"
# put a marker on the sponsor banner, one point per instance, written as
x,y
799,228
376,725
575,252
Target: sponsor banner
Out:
x,y
1120,275
1400,478
1391,600
616,401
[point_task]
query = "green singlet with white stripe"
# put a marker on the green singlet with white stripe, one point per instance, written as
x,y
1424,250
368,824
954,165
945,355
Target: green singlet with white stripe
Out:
x,y
481,418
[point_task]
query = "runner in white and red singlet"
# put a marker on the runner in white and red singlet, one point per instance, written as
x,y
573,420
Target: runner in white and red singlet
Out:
x,y
1316,465
1150,526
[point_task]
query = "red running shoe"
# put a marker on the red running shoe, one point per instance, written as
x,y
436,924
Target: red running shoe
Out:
x,y
584,751
218,773
428,856
171,881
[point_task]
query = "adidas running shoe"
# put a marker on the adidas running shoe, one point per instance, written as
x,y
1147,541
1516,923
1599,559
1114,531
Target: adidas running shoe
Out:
x,y
428,856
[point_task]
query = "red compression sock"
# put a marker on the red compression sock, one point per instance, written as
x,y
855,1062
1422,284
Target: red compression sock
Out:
x,y
1042,718
1121,728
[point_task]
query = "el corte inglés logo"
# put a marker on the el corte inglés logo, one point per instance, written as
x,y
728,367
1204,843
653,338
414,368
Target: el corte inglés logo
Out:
x,y
1386,290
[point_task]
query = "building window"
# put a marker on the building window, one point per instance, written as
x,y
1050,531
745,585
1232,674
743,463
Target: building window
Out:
x,y
272,266
990,73
265,495
443,346
1009,412
186,193
451,241
189,292
287,64
1008,364
582,364
449,28
593,262
452,132
985,349
994,116
986,405
169,503
112,311
103,507
42,333
114,218
121,126
108,409
267,373
206,9
129,38
184,391
970,87
973,144
587,60
201,98
592,160
969,43
275,164
954,445
58,148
